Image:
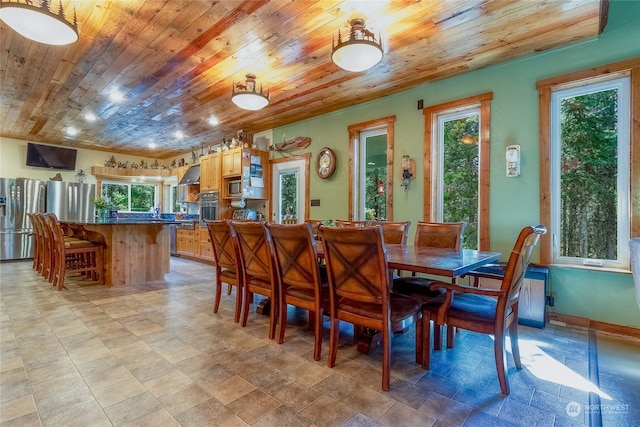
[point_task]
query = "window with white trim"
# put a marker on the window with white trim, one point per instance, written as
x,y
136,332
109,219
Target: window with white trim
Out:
x,y
131,197
590,174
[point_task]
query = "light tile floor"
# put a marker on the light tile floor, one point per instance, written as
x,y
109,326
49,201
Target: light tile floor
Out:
x,y
156,355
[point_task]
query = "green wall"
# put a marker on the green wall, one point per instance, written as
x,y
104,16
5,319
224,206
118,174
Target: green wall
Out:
x,y
606,297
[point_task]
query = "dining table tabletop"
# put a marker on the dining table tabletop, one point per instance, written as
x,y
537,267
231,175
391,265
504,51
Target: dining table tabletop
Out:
x,y
436,261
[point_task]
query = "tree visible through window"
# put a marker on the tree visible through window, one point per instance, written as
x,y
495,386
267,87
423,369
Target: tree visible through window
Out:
x,y
461,176
130,197
590,146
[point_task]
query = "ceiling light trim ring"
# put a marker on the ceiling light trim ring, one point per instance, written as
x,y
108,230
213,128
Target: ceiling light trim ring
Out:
x,y
40,23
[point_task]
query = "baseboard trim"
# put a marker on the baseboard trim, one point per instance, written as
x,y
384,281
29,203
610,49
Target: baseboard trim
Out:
x,y
627,331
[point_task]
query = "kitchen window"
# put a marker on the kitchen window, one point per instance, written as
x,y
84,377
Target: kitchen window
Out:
x,y
130,197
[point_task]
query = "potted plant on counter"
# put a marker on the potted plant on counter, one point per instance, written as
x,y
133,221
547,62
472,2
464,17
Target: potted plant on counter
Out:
x,y
102,207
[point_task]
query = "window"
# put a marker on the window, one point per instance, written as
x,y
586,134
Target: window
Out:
x,y
589,177
130,197
587,168
457,172
290,192
371,169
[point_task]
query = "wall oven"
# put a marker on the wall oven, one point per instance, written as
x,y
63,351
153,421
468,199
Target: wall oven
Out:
x,y
208,206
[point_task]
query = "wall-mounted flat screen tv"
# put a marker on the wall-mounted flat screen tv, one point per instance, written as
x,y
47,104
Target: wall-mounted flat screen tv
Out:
x,y
48,156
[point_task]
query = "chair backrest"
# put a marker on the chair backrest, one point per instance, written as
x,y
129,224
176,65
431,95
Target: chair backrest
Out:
x,y
254,248
314,223
394,232
54,231
296,256
357,264
446,235
519,261
345,223
225,252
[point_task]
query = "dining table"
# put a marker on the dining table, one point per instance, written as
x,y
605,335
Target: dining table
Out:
x,y
421,259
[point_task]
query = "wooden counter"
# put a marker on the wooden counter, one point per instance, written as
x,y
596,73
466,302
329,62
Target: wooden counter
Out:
x,y
135,251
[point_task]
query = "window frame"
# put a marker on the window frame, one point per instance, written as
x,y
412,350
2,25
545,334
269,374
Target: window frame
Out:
x,y
483,103
156,195
355,131
629,68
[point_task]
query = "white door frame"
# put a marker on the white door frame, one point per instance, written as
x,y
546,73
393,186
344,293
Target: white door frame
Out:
x,y
300,163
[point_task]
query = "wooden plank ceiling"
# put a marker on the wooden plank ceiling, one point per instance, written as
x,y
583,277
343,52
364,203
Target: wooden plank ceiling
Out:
x,y
175,61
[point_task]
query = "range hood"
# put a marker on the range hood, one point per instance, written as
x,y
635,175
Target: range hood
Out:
x,y
191,176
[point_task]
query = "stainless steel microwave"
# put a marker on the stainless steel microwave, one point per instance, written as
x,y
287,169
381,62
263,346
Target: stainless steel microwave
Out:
x,y
235,188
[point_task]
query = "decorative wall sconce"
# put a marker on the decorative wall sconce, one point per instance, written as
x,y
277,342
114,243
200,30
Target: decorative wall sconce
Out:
x,y
408,171
513,161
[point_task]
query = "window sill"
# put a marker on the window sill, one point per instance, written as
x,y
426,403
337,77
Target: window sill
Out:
x,y
592,268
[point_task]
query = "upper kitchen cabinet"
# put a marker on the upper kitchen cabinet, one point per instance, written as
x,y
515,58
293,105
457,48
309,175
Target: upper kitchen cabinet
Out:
x,y
210,172
232,162
245,174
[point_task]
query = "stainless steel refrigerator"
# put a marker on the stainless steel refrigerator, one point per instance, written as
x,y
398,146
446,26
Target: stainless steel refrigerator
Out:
x,y
19,197
71,201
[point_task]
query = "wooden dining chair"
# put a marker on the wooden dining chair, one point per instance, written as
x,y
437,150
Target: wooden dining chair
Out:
x,y
360,284
445,235
394,232
301,281
256,257
488,311
77,255
227,260
348,223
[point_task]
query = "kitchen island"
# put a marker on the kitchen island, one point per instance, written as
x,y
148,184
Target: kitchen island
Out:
x,y
136,250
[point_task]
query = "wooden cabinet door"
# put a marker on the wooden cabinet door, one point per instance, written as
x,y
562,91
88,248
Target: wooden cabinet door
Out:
x,y
232,162
206,250
185,242
210,172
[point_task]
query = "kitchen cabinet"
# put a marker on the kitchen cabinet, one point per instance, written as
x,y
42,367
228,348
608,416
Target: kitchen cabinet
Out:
x,y
186,243
232,162
210,172
254,174
206,250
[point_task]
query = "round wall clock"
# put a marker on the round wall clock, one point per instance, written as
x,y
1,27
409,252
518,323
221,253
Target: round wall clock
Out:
x,y
325,163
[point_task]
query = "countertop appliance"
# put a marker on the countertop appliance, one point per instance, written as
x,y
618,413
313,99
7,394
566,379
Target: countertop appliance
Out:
x,y
247,214
19,197
234,188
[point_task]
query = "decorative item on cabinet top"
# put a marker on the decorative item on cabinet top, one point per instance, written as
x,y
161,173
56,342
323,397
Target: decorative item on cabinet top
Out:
x,y
297,143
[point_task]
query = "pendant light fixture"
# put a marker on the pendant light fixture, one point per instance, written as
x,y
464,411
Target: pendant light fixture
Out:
x,y
39,23
246,96
360,51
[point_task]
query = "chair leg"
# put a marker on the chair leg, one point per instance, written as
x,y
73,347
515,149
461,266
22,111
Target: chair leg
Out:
x,y
216,303
247,297
515,347
273,318
228,289
282,320
317,331
334,336
450,336
239,299
420,339
386,359
501,362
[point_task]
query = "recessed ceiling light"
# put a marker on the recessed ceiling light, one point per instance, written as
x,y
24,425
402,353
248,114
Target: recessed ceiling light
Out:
x,y
116,96
71,131
90,117
179,134
213,121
